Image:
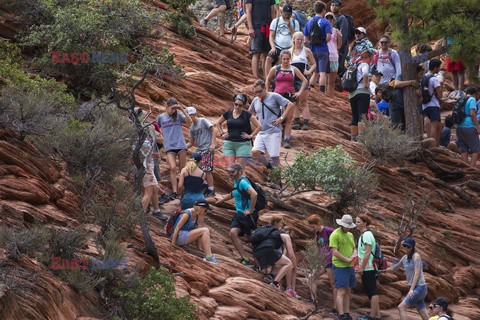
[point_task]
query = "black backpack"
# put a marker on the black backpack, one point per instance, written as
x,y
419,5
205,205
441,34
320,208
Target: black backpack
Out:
x,y
458,112
316,35
379,261
349,79
261,234
351,27
261,199
426,96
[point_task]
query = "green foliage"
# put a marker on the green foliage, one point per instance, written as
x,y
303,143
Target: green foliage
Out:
x,y
153,297
331,169
422,21
11,73
180,17
65,244
28,241
87,26
385,143
95,149
80,279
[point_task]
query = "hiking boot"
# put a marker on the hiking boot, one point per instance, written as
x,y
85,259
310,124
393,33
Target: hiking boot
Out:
x,y
296,124
209,193
305,126
159,215
204,22
334,312
292,293
211,259
287,144
164,199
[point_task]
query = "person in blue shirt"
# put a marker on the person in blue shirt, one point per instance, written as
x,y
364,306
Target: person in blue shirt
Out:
x,y
447,131
468,130
245,219
319,47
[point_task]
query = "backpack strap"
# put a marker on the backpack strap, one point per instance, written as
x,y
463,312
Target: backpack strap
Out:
x,y
263,110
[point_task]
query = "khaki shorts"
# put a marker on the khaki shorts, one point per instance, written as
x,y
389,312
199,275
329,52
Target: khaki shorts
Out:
x,y
268,143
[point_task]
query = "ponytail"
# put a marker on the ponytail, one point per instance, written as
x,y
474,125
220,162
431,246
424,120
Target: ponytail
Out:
x,y
191,166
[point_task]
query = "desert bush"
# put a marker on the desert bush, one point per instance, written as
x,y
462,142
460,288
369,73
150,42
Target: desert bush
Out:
x,y
64,244
331,169
180,17
84,27
96,149
28,112
153,297
386,143
28,241
80,279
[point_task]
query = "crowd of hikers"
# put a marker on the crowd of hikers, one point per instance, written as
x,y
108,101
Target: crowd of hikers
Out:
x,y
295,56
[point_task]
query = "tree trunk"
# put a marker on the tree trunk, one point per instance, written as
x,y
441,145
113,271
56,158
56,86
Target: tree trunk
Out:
x,y
414,123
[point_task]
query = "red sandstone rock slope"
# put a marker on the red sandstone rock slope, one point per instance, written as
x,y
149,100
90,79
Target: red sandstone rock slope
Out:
x,y
33,189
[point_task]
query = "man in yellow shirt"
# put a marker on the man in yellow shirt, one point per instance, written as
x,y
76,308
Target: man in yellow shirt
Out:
x,y
344,258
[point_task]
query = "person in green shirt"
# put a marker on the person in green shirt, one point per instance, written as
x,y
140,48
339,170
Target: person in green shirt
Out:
x,y
366,249
344,256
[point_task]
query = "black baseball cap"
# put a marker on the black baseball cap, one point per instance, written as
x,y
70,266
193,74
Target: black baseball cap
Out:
x,y
287,9
203,203
338,2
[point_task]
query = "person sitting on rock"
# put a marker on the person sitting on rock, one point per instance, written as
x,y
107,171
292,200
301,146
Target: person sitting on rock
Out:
x,y
203,134
323,241
413,265
269,253
191,182
185,232
245,219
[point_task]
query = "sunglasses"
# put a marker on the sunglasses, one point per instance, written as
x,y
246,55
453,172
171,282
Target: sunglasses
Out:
x,y
405,246
238,104
383,42
257,91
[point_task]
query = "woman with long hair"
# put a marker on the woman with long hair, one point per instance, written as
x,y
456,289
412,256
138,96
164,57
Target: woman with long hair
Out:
x,y
174,143
303,60
191,182
413,266
283,77
238,137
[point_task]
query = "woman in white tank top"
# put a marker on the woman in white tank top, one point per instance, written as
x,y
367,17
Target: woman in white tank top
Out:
x,y
303,59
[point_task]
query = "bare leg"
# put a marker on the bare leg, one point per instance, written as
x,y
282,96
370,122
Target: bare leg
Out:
x,y
332,285
204,234
268,66
289,122
375,307
464,157
402,310
172,163
155,198
182,159
455,79
474,159
346,301
286,267
147,196
255,59
209,178
461,79
215,12
234,232
423,313
341,292
323,78
332,76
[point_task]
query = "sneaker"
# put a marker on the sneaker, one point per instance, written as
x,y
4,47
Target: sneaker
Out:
x,y
211,259
305,126
209,193
275,285
334,312
204,22
268,278
164,199
287,144
245,261
256,269
159,215
292,293
312,302
346,316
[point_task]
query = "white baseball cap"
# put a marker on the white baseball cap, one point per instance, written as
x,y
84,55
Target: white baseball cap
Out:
x,y
191,110
362,30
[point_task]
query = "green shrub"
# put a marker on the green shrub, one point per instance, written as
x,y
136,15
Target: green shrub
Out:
x,y
331,169
89,26
385,143
65,244
96,149
180,17
153,297
80,279
28,241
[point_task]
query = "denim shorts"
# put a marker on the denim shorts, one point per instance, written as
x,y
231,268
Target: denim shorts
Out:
x,y
323,64
344,277
182,238
420,292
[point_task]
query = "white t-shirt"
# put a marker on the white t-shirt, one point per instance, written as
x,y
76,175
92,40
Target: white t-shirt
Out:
x,y
283,37
432,85
362,70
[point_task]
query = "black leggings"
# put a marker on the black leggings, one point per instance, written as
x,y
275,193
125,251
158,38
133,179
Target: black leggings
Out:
x,y
359,104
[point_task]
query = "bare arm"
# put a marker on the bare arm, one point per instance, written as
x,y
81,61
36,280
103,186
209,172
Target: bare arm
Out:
x,y
340,256
257,125
269,80
187,116
339,39
300,76
328,37
417,262
474,119
181,223
395,266
253,200
248,9
219,123
406,83
213,130
311,62
225,198
438,92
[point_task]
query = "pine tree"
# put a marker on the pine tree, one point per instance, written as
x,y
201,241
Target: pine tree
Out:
x,y
418,21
